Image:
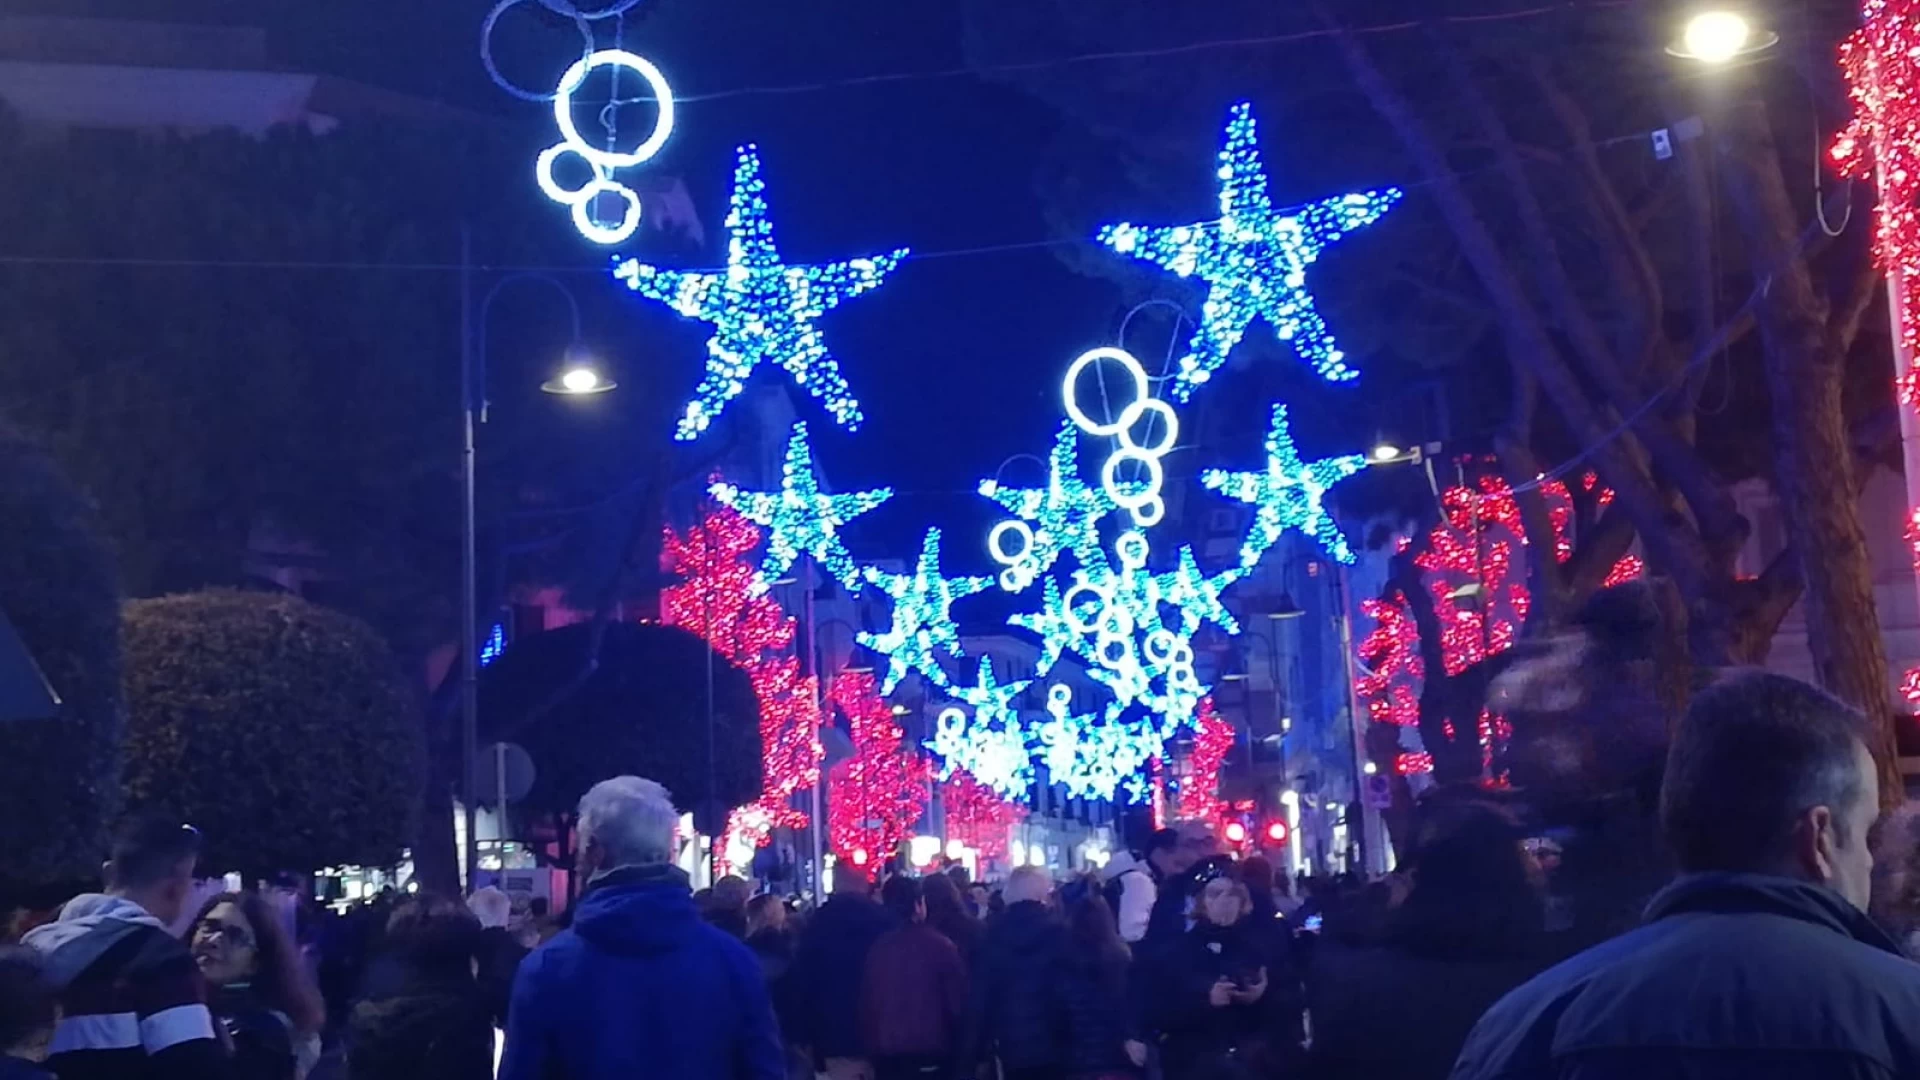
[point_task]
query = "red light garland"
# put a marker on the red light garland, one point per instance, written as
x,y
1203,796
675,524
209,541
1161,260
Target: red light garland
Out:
x,y
716,599
977,815
1468,569
1212,742
879,792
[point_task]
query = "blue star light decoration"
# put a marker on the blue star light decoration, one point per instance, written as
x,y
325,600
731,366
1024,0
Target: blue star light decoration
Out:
x,y
799,518
1089,756
762,310
992,745
1288,494
1254,260
1063,517
922,617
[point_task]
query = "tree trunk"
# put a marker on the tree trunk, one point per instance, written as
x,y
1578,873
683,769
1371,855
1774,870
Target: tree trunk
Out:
x,y
1812,455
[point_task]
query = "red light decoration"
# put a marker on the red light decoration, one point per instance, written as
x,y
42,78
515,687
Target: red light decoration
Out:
x,y
1276,832
1200,791
716,600
977,815
878,793
1236,833
1472,568
860,856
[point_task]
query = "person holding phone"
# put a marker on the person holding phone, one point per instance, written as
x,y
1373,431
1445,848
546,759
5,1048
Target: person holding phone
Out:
x,y
1221,1010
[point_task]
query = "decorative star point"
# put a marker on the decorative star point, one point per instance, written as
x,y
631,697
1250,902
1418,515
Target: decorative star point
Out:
x,y
762,310
1288,494
800,519
1254,261
922,616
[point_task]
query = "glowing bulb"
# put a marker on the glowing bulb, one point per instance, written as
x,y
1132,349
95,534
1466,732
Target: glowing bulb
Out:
x,y
581,381
1370,768
1277,832
955,849
1384,453
860,856
1716,36
1236,832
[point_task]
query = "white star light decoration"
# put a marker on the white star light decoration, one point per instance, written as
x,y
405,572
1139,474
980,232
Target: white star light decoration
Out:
x,y
922,617
799,518
1254,260
993,744
1288,494
1091,759
762,310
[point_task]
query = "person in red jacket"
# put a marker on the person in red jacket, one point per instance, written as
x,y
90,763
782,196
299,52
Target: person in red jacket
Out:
x,y
913,995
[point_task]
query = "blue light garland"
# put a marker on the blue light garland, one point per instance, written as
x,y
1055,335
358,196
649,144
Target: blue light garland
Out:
x,y
1091,757
992,745
799,518
1254,259
922,617
762,310
1288,494
495,644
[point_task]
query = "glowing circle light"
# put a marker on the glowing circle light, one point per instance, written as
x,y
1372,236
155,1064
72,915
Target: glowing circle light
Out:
x,y
570,84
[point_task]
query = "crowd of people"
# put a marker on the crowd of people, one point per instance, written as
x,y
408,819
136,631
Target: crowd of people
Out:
x,y
1776,950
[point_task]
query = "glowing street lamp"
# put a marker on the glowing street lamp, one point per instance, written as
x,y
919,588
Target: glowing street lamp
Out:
x,y
1718,36
577,380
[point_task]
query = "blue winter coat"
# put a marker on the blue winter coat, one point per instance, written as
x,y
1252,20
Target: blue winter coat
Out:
x,y
640,986
1734,977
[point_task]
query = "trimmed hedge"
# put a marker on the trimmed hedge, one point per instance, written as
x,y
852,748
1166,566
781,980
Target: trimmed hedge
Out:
x,y
282,729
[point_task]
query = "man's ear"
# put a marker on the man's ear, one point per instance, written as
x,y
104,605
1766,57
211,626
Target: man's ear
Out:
x,y
1814,838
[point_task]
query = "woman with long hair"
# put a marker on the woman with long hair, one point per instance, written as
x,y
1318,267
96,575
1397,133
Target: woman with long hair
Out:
x,y
260,990
948,914
1101,1040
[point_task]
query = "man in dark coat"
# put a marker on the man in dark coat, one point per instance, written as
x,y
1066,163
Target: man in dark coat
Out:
x,y
824,980
1759,960
1018,1012
639,985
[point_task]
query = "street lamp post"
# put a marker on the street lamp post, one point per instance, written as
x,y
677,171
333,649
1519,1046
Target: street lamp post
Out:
x,y
577,378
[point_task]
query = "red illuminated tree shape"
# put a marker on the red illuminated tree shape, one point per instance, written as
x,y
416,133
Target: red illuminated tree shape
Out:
x,y
1200,791
977,815
878,793
720,597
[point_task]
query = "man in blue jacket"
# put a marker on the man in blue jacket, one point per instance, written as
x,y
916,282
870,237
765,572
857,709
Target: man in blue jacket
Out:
x,y
640,985
1759,960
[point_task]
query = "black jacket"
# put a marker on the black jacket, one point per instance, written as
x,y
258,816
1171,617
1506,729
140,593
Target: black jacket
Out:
x,y
824,981
1099,1014
1435,1000
1195,1033
1734,976
261,1038
412,1025
1018,1010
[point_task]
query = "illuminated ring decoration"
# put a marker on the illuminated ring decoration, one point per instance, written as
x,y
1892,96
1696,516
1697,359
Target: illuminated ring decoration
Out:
x,y
1138,411
1059,696
617,8
997,547
1107,647
1133,550
1015,578
1070,610
1153,513
606,234
486,45
952,722
577,74
1132,500
1143,390
550,187
1160,646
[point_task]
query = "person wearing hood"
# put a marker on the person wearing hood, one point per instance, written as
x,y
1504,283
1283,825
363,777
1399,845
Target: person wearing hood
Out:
x,y
639,985
422,1011
1019,1012
135,1004
828,965
1760,960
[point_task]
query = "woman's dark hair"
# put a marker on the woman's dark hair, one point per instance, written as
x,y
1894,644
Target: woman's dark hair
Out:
x,y
1256,874
29,1004
434,936
1096,933
1896,872
279,977
1475,890
902,895
943,900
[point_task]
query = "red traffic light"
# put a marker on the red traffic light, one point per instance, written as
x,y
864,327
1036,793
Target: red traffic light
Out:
x,y
1277,831
1236,833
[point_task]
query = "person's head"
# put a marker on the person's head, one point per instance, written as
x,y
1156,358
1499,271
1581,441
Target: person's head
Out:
x,y
1166,853
766,912
434,936
944,906
239,938
152,865
957,873
492,907
1257,874
1095,930
1769,775
1472,887
626,821
851,880
731,893
1028,884
538,907
1222,902
29,1005
901,895
1896,873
